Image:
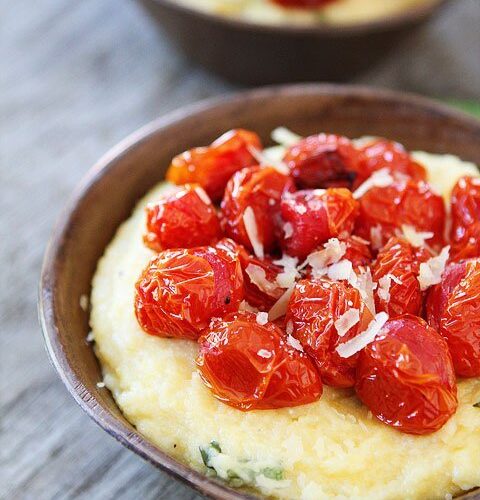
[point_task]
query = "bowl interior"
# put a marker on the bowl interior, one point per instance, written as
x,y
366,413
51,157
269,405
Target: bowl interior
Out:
x,y
110,191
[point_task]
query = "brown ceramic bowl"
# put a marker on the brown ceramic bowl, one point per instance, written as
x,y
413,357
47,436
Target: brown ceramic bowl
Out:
x,y
257,54
113,186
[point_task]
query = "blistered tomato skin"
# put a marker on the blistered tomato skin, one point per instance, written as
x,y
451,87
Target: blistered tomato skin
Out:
x,y
181,290
323,160
185,219
358,251
261,296
453,308
264,295
261,189
405,201
251,367
465,211
313,309
311,217
399,262
406,377
211,167
386,154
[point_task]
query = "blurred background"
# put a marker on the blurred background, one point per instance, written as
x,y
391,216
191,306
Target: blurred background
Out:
x,y
76,77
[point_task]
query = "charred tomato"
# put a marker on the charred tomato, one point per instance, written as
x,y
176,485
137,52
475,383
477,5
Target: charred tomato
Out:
x,y
403,202
453,309
406,377
181,290
311,217
251,366
184,219
254,193
212,166
313,310
323,160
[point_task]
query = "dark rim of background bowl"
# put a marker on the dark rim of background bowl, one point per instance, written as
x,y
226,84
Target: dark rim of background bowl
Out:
x,y
409,16
46,307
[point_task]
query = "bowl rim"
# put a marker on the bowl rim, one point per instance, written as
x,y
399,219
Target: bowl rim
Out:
x,y
133,440
411,15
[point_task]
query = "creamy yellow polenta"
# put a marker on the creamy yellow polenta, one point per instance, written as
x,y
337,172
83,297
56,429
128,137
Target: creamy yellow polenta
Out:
x,y
330,449
338,12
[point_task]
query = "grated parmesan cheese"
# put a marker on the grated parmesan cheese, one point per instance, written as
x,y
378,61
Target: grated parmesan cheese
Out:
x,y
416,239
376,237
264,353
280,307
363,282
268,160
203,195
431,271
290,273
258,277
346,321
380,178
384,284
352,346
252,232
398,281
295,343
287,230
289,328
285,137
262,318
333,251
341,270
287,278
245,306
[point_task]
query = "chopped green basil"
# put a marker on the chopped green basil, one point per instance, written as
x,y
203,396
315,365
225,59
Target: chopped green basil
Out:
x,y
238,472
273,473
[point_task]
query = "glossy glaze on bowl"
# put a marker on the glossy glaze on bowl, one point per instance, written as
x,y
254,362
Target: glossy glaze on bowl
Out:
x,y
120,178
257,54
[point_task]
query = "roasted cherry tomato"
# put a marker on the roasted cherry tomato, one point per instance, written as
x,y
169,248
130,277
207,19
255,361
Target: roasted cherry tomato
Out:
x,y
313,309
260,279
251,366
465,210
321,161
212,166
184,219
453,308
258,190
404,201
305,4
259,276
357,251
312,217
386,154
396,272
181,290
406,377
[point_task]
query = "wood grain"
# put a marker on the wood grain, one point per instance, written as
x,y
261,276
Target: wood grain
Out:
x,y
77,77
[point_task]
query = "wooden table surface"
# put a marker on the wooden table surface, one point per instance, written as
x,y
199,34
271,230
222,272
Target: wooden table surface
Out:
x,y
76,77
